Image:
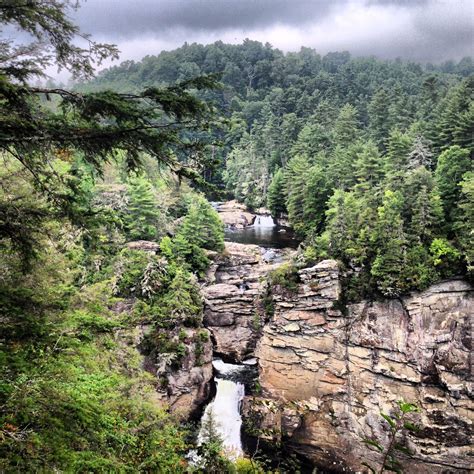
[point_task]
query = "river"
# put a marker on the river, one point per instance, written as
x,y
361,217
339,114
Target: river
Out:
x,y
265,233
223,414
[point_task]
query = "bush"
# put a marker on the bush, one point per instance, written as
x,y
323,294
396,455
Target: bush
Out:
x,y
285,277
183,252
138,273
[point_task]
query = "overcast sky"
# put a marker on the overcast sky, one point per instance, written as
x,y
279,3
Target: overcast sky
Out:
x,y
422,30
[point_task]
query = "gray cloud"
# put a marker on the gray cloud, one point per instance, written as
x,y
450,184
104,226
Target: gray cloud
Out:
x,y
125,18
422,30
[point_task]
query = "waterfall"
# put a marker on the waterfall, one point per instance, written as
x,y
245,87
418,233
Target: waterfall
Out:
x,y
264,221
223,413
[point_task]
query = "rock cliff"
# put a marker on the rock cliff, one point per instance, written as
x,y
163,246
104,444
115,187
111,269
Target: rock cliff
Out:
x,y
233,310
344,365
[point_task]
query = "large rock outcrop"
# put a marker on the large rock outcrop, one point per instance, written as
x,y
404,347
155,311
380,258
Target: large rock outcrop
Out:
x,y
235,214
233,311
343,366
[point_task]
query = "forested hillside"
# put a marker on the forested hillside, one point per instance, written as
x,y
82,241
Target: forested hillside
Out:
x,y
82,175
107,235
370,161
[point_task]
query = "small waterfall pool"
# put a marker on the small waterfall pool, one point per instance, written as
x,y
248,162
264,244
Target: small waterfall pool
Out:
x,y
264,232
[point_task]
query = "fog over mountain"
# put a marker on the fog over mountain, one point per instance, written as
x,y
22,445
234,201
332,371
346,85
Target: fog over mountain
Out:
x,y
421,30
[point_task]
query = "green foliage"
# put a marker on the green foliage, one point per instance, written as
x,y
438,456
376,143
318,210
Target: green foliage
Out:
x,y
465,221
399,424
452,164
285,277
138,273
276,194
45,129
202,226
182,303
68,401
390,240
183,252
446,258
143,218
213,459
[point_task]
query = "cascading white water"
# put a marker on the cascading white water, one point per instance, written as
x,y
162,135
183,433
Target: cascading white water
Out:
x,y
264,221
224,411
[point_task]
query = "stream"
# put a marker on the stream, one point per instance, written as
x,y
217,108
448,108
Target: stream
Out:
x,y
222,414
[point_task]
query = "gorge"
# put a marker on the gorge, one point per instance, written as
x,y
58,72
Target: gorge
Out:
x,y
331,367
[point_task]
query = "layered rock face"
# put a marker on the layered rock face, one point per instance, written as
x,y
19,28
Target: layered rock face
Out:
x,y
233,310
189,387
343,368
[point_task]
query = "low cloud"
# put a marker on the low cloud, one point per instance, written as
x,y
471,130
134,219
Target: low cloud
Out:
x,y
419,30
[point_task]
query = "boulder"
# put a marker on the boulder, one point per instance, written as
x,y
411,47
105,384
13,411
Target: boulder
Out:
x,y
235,214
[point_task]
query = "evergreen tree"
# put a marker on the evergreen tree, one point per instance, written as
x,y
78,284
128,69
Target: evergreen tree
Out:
x,y
202,226
143,217
390,241
346,126
398,149
423,209
341,166
296,176
464,225
316,194
276,200
182,303
452,164
345,227
455,117
379,122
368,167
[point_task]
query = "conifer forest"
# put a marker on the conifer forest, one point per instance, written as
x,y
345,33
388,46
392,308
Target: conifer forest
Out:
x,y
232,257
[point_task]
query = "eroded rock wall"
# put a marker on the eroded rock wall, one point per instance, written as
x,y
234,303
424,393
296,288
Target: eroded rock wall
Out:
x,y
233,310
345,366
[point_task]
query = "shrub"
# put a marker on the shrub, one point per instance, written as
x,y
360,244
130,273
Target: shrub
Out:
x,y
285,277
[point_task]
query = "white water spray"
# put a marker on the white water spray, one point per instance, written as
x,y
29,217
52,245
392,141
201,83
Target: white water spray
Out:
x,y
264,221
224,411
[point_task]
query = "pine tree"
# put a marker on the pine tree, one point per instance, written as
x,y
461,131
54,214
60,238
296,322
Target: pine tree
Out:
x,y
143,217
455,117
202,226
398,149
346,126
464,225
368,167
452,164
422,205
390,241
379,123
296,176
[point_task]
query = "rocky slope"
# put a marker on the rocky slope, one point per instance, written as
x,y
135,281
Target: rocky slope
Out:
x,y
343,367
